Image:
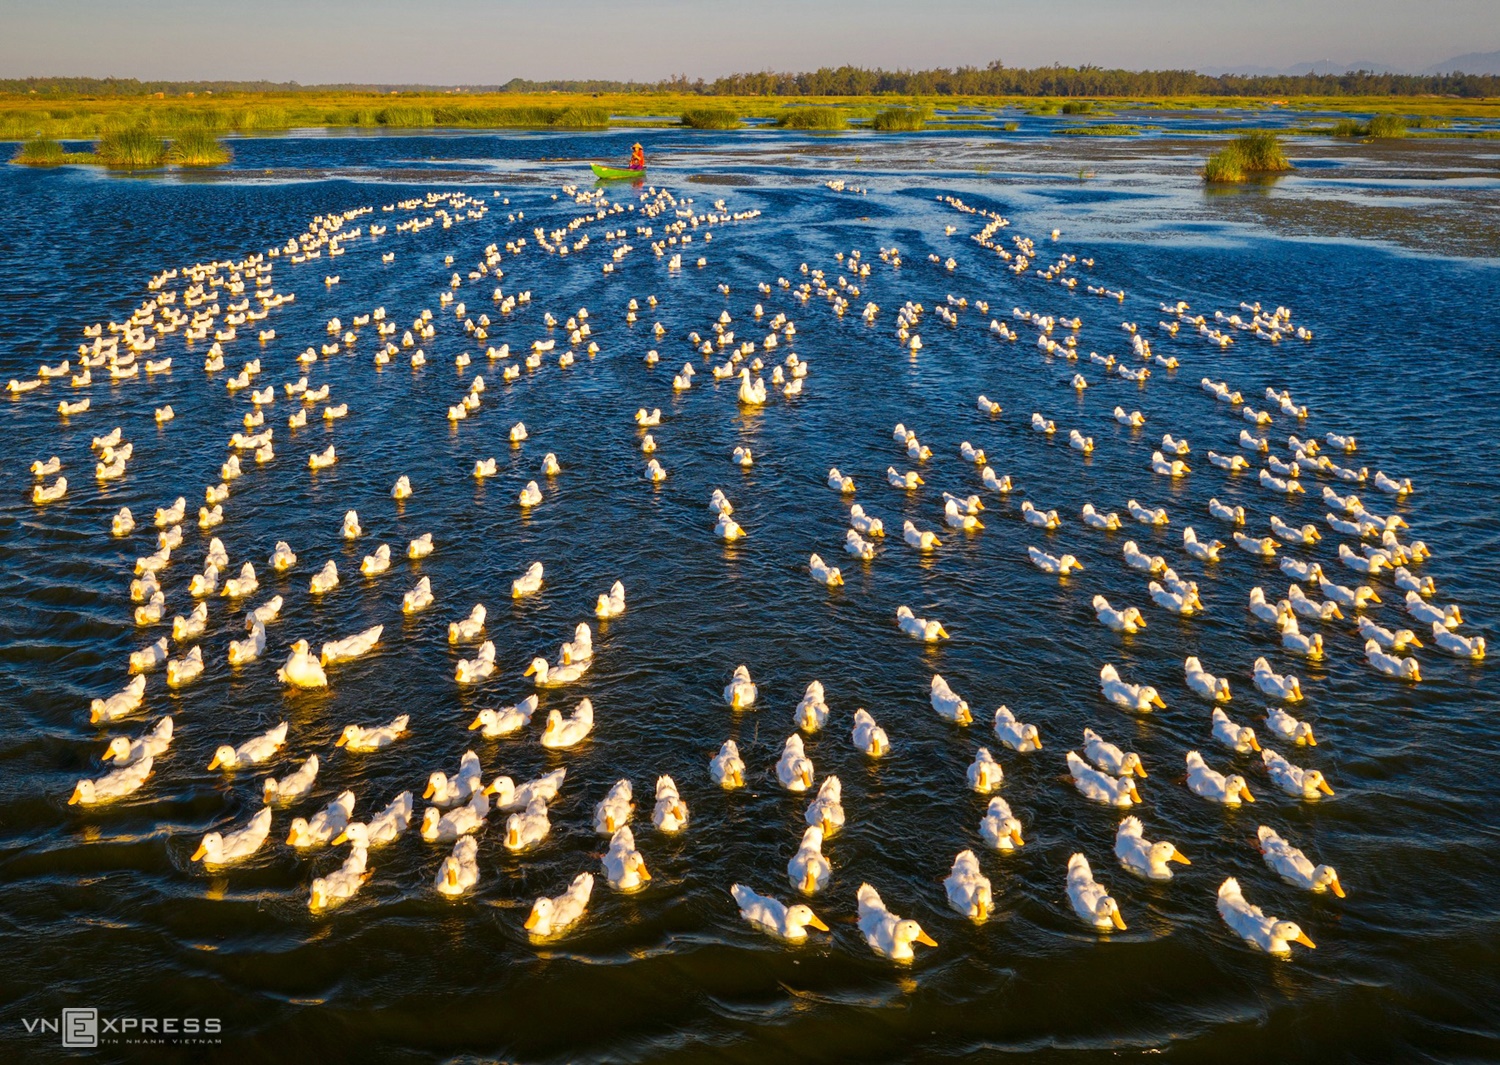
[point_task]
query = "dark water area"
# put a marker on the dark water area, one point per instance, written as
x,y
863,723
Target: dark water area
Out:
x,y
1386,253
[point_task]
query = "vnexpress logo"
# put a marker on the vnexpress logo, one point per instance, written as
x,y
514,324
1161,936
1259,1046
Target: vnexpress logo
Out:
x,y
80,1027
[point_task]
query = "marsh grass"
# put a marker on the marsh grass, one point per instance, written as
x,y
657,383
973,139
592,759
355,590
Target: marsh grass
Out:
x,y
1107,129
131,149
40,151
711,118
1248,155
197,147
1384,126
1077,107
1380,127
894,119
812,118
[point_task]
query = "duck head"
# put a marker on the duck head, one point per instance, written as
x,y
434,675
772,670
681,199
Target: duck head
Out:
x,y
224,758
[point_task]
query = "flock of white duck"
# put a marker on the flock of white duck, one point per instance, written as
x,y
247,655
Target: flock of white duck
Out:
x,y
461,802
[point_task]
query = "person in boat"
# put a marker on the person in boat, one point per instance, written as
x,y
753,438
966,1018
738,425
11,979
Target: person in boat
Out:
x,y
637,157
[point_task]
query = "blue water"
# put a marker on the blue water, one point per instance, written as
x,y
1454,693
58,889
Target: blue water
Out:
x,y
104,908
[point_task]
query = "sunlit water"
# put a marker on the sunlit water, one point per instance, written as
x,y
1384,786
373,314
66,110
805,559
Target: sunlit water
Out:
x,y
102,906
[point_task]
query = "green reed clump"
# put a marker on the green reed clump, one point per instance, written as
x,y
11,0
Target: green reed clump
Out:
x,y
131,149
711,118
1077,107
1386,126
1348,127
812,118
197,147
581,118
896,119
405,117
40,151
1104,129
1246,155
1427,122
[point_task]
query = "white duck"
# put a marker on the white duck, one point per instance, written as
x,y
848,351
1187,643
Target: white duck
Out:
x,y
1091,902
1392,665
529,827
969,891
529,583
1201,682
562,733
324,825
302,670
1456,645
984,773
1215,787
295,785
809,870
469,629
869,737
438,827
1128,620
827,810
226,848
1285,687
812,711
888,935
459,871
364,739
1111,759
121,704
670,814
1140,856
252,751
443,790
785,922
794,769
999,828
623,865
1060,567
1295,781
615,809
740,692
123,751
112,786
350,647
1197,549
948,704
920,628
1019,736
727,769
1101,787
1294,867
385,827
611,604
1252,925
1138,697
553,916
921,539
1238,738
505,721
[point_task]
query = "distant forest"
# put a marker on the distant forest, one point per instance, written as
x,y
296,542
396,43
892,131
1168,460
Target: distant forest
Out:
x,y
992,80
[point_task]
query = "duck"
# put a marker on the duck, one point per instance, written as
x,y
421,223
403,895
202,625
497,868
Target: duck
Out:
x,y
1288,534
562,733
1232,515
996,483
1185,603
459,871
670,814
1203,683
1197,549
149,657
869,737
1459,646
1392,665
580,648
363,739
920,539
506,721
343,884
1091,902
920,628
956,518
250,648
999,828
531,495
527,828
1288,728
385,827
727,769
769,915
154,744
1238,738
468,629
1137,559
552,916
121,704
1263,547
1018,736
1128,621
727,529
947,703
1168,468
1265,611
1369,567
887,934
623,865
826,811
443,790
295,785
1078,442
324,825
1101,787
350,647
1140,856
419,598
252,752
1111,759
1252,925
615,809
908,481
302,670
836,480
283,558
740,692
1138,697
401,491
1096,520
1285,687
1042,519
485,468
227,848
326,579
1053,564
351,529
984,773
112,786
374,565
968,889
823,573
812,711
529,583
611,604
1297,782
1293,639
438,827
1215,787
794,769
1293,866
1449,617
482,665
1352,598
863,523
1232,463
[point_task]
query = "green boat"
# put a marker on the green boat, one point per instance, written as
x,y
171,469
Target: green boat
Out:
x,y
615,173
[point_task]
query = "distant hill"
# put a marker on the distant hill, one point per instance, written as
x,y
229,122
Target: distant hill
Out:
x,y
1468,63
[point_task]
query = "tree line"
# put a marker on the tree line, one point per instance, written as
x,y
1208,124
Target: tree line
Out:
x,y
995,79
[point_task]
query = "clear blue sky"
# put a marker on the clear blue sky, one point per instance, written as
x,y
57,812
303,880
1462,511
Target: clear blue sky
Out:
x,y
490,41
